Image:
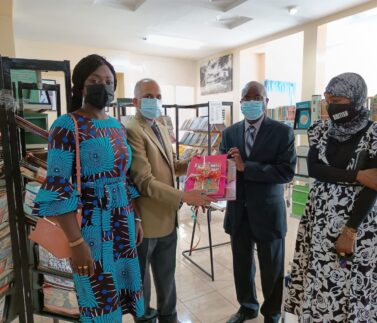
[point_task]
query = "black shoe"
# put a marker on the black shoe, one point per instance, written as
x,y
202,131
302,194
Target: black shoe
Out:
x,y
241,316
150,316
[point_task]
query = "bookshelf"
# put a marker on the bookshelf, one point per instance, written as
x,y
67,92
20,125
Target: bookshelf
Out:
x,y
40,288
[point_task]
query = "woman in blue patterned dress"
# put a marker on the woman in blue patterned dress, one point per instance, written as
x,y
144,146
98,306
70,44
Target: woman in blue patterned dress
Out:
x,y
104,257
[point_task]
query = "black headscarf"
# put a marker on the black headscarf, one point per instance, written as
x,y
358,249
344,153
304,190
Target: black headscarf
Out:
x,y
82,70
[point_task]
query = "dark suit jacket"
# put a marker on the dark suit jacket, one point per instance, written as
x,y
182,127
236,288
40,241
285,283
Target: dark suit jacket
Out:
x,y
261,186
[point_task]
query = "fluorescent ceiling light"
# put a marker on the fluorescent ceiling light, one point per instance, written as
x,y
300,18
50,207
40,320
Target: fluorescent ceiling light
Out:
x,y
173,42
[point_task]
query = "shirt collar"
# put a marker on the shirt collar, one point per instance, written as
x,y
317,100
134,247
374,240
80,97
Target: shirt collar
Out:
x,y
255,125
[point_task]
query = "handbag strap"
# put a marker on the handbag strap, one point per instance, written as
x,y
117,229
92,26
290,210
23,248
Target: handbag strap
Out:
x,y
77,150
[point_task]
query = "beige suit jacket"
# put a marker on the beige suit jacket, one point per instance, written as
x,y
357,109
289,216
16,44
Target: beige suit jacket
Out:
x,y
153,171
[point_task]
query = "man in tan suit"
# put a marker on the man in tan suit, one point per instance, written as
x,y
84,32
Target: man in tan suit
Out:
x,y
153,170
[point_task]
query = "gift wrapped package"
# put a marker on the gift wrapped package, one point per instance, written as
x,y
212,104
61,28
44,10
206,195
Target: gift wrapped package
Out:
x,y
208,173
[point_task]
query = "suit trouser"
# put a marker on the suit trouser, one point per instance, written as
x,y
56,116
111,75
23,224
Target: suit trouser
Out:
x,y
159,254
271,265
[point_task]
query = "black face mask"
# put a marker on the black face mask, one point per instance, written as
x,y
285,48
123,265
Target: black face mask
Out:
x,y
341,113
99,95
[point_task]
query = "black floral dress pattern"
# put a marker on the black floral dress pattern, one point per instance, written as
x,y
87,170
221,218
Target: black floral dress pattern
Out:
x,y
320,290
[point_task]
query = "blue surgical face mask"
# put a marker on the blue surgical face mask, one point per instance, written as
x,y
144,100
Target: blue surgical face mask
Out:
x,y
252,110
151,108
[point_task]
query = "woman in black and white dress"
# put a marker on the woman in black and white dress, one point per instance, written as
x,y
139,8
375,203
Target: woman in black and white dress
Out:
x,y
334,272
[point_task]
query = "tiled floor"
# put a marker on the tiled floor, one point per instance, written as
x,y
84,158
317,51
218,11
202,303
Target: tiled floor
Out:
x,y
200,299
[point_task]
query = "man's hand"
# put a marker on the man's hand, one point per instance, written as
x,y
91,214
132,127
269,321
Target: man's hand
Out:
x,y
196,198
139,233
235,153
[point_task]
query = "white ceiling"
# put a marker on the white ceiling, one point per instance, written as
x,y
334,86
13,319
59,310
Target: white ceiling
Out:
x,y
122,24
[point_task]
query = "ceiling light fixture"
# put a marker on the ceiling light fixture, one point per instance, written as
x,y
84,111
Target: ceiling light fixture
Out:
x,y
293,10
173,42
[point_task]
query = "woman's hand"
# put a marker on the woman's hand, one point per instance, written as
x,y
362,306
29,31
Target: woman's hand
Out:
x,y
81,260
139,233
345,242
368,178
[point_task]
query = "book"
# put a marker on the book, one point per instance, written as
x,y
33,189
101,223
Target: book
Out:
x,y
316,107
59,282
3,309
188,153
6,278
199,140
195,125
194,139
6,261
60,301
324,113
207,173
373,108
184,137
231,181
48,261
215,139
303,115
189,138
4,214
203,124
219,205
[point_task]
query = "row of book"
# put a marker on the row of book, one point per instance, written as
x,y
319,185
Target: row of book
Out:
x,y
284,113
6,259
200,124
58,289
200,139
303,114
189,152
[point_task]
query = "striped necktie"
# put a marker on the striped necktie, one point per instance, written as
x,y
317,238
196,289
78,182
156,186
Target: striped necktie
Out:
x,y
157,133
249,140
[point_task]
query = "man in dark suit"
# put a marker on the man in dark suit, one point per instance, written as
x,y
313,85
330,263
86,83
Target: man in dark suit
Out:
x,y
264,152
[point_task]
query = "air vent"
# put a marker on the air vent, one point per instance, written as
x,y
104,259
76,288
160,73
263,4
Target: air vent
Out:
x,y
132,5
231,22
224,5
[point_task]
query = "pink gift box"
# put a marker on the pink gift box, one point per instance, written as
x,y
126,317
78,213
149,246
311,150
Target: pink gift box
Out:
x,y
208,173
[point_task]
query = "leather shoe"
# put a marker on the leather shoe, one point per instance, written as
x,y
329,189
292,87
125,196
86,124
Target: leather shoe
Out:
x,y
240,317
150,316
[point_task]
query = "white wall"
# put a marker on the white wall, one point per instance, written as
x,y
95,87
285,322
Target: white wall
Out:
x,y
170,73
351,47
283,60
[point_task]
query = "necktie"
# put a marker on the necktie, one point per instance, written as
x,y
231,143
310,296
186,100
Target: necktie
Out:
x,y
157,133
249,140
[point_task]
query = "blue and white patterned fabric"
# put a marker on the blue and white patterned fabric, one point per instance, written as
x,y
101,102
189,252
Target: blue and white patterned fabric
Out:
x,y
108,223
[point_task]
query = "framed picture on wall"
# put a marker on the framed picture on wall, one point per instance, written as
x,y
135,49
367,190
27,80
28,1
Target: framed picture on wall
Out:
x,y
216,76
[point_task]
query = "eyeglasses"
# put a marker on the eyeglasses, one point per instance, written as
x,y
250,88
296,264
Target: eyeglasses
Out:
x,y
255,98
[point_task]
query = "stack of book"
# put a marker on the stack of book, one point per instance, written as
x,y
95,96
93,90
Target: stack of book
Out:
x,y
6,260
58,290
31,191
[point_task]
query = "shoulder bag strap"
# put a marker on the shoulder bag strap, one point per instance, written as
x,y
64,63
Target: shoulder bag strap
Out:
x,y
78,161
